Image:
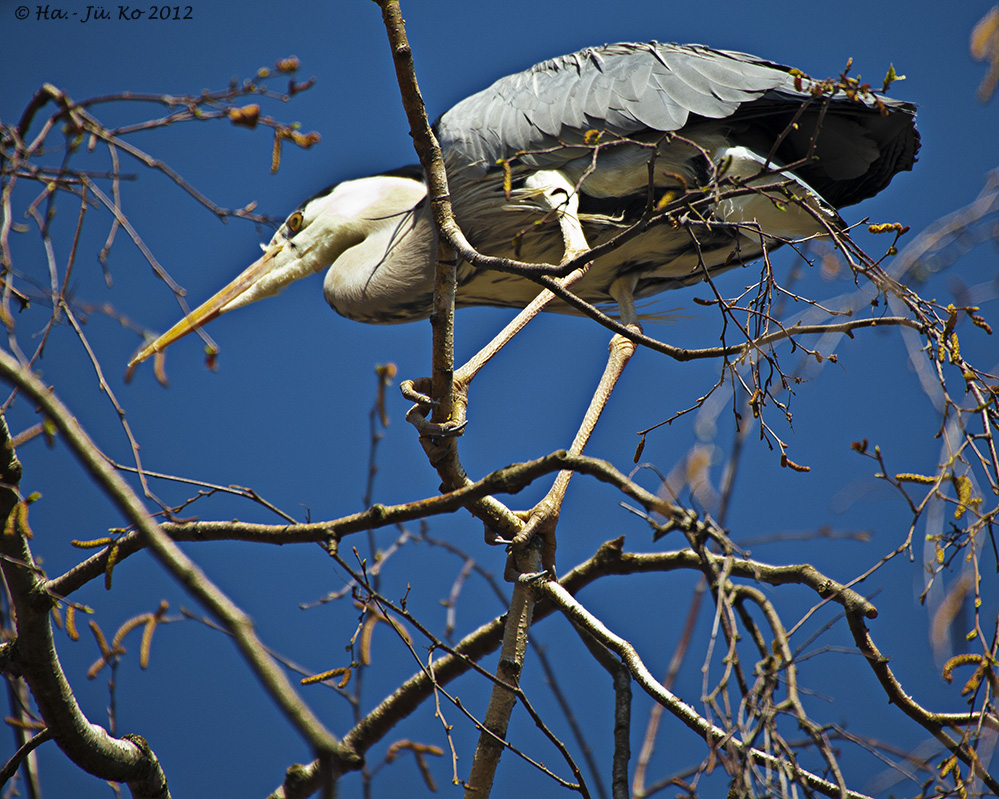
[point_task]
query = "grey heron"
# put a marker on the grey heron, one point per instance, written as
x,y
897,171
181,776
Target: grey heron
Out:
x,y
597,136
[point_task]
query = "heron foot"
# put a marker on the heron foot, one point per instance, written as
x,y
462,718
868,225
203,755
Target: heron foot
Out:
x,y
538,532
415,390
494,539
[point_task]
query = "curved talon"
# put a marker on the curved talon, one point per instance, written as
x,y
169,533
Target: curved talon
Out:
x,y
494,539
452,428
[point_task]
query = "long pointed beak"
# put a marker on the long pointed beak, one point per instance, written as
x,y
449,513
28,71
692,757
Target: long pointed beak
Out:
x,y
241,287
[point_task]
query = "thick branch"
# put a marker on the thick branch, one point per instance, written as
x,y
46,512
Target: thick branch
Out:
x,y
127,760
502,700
432,161
184,570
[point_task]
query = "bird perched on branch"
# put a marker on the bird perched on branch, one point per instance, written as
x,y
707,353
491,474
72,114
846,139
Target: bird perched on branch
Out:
x,y
702,158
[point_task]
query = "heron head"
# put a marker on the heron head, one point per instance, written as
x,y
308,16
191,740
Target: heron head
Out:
x,y
320,231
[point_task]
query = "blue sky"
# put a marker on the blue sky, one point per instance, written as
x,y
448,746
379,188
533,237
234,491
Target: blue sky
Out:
x,y
287,413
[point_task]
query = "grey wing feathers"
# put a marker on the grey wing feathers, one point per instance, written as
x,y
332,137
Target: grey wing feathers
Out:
x,y
622,88
626,89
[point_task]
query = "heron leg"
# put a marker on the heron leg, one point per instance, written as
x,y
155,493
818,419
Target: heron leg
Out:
x,y
558,195
623,291
544,515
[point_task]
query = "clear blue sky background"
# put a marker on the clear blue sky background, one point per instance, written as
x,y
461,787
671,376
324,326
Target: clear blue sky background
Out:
x,y
287,412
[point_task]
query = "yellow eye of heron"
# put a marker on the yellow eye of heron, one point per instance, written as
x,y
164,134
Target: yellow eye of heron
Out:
x,y
295,221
